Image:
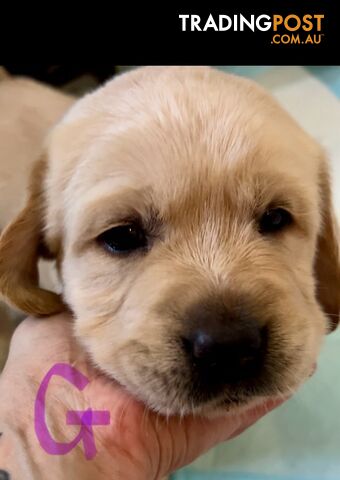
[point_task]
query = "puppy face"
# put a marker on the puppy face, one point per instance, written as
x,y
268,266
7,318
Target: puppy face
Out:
x,y
191,221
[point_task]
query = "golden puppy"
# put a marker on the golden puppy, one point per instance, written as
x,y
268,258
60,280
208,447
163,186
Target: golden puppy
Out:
x,y
192,224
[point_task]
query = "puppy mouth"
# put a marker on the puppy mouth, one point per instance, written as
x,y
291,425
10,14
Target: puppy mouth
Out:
x,y
184,395
180,395
204,377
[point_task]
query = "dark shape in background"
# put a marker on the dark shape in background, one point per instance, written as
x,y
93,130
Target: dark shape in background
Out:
x,y
60,75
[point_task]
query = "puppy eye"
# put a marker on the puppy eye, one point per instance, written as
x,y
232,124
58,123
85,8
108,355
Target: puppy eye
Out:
x,y
274,220
123,239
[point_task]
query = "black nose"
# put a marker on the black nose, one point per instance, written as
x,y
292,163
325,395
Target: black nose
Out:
x,y
229,353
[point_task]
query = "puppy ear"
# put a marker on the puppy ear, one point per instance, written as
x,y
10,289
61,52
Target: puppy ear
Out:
x,y
21,245
327,264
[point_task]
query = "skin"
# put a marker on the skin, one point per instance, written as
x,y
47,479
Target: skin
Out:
x,y
138,444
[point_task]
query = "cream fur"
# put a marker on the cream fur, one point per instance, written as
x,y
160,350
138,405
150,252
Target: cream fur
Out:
x,y
207,152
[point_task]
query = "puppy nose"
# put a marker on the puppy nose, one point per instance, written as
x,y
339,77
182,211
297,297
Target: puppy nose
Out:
x,y
226,355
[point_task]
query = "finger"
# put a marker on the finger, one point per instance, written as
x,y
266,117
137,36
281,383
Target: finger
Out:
x,y
232,424
256,413
39,344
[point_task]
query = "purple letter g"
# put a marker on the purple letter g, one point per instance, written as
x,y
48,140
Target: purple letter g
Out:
x,y
85,418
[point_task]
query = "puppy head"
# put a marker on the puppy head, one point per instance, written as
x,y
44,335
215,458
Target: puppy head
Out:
x,y
192,221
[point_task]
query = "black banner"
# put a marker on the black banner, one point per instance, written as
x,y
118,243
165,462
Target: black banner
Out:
x,y
257,33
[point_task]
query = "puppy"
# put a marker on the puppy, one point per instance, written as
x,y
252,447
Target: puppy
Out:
x,y
191,221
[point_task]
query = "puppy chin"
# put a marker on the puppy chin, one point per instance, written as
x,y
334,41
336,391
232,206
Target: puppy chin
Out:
x,y
238,409
222,406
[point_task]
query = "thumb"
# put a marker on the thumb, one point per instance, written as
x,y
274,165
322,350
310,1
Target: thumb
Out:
x,y
201,434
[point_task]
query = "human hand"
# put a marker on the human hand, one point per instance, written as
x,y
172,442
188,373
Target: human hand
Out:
x,y
137,444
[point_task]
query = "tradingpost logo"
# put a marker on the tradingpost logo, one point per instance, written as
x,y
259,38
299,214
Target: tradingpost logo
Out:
x,y
286,29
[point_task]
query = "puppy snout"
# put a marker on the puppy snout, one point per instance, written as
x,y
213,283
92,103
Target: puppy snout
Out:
x,y
223,347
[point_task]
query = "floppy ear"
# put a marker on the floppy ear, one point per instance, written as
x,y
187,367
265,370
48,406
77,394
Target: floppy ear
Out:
x,y
21,245
327,264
